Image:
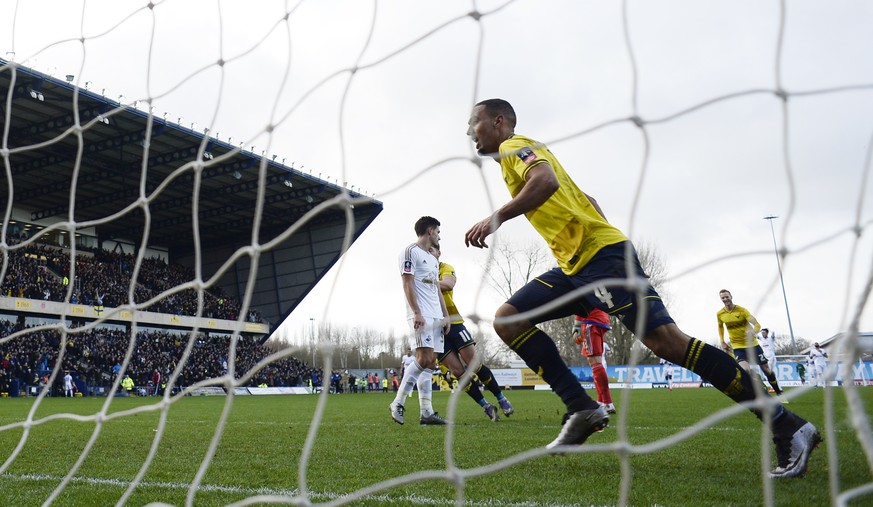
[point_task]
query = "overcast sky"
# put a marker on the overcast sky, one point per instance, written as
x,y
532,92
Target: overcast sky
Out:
x,y
396,128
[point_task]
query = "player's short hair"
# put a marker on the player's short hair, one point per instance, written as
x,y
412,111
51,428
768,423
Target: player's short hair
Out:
x,y
495,107
765,329
425,223
723,291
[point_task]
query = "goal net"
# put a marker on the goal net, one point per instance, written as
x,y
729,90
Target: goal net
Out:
x,y
688,122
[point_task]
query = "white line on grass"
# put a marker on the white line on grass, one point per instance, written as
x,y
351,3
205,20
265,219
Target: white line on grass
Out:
x,y
287,493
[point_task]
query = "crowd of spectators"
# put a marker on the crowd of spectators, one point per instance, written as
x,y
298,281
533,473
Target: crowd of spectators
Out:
x,y
96,356
103,278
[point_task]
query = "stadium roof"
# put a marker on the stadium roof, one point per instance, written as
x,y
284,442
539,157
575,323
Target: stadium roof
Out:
x,y
865,342
115,152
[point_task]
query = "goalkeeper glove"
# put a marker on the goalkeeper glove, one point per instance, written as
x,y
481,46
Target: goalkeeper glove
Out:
x,y
577,330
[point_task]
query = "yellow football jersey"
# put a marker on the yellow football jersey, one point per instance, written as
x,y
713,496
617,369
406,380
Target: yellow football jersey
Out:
x,y
447,269
569,223
737,323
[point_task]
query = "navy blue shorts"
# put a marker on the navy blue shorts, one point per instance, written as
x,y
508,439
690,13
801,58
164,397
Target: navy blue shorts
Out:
x,y
458,338
743,354
603,274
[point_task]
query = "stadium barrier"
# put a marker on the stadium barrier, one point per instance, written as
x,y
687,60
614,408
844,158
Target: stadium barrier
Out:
x,y
87,312
647,376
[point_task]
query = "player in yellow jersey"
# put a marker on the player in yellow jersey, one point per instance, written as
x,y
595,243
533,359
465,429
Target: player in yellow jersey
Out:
x,y
592,253
460,348
742,327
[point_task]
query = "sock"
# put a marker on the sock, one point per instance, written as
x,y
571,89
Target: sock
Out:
x,y
541,355
774,382
425,386
410,376
723,372
487,378
472,389
601,383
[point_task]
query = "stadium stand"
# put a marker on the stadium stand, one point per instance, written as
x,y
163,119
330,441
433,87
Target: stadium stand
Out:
x,y
103,278
94,359
107,164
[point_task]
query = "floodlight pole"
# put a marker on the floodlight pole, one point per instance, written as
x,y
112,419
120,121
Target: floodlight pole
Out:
x,y
770,219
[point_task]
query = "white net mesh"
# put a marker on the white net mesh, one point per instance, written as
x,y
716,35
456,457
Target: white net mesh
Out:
x,y
664,104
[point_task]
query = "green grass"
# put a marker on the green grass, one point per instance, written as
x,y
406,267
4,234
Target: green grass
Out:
x,y
358,446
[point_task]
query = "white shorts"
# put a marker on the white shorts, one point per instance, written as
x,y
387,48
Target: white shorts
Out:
x,y
430,335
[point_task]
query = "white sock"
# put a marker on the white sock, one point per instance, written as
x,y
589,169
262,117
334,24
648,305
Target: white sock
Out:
x,y
410,376
425,383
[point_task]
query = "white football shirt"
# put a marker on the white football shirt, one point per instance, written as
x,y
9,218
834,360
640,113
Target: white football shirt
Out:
x,y
424,267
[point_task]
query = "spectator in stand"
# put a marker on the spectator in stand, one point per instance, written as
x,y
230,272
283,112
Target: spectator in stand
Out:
x,y
156,381
40,272
97,358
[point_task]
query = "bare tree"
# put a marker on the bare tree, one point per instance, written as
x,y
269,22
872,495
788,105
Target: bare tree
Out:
x,y
508,270
783,344
491,349
561,331
514,265
355,347
392,348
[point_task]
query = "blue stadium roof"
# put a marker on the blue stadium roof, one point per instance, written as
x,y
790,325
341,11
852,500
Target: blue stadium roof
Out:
x,y
113,153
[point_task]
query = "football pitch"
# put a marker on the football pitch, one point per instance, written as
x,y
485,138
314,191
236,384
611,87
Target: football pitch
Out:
x,y
358,446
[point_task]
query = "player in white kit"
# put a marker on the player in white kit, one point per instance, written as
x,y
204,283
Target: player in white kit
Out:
x,y
428,320
819,359
68,385
668,373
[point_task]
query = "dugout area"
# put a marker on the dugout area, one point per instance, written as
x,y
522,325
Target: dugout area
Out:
x,y
115,150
